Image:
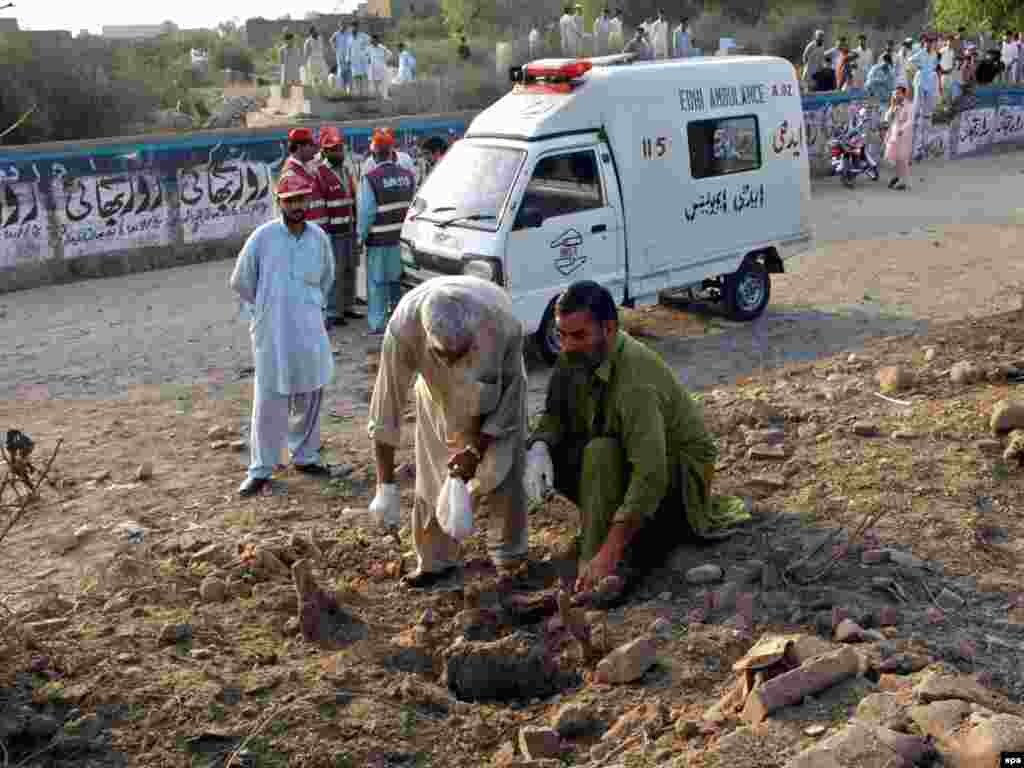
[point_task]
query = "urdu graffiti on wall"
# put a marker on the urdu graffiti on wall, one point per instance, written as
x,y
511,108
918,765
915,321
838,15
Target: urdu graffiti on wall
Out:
x,y
97,214
24,224
224,198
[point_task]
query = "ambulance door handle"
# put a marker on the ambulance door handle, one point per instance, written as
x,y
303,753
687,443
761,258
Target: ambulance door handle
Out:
x,y
598,228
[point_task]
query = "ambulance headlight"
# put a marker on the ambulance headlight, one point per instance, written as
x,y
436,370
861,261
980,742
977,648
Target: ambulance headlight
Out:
x,y
482,267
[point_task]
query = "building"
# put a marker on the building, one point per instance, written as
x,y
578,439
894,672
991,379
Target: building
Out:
x,y
137,31
396,9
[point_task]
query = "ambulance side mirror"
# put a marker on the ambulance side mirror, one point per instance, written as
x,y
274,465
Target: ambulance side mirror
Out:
x,y
529,218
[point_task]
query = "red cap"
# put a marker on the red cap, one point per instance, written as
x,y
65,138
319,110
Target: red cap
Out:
x,y
292,185
330,136
300,134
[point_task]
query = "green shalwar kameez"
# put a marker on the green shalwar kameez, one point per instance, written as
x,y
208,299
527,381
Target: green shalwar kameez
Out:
x,y
629,443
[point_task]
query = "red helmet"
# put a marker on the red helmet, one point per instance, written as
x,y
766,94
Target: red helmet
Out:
x,y
292,185
330,136
296,135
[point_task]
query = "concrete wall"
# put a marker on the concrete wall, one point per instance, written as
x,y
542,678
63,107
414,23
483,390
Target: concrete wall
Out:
x,y
70,211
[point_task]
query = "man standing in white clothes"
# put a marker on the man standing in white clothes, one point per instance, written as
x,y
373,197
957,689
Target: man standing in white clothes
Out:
x,y
284,271
359,60
615,33
533,39
681,45
567,32
659,36
602,28
865,61
342,42
380,77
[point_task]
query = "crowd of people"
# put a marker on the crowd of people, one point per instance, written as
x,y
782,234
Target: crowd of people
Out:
x,y
654,38
352,61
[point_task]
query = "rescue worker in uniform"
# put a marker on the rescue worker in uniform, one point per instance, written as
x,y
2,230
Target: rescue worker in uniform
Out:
x,y
459,339
621,438
404,159
300,164
337,219
284,271
384,197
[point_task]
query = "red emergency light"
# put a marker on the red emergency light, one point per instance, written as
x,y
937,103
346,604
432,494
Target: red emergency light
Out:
x,y
557,69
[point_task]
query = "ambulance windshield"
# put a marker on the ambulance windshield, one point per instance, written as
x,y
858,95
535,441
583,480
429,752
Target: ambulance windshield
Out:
x,y
471,183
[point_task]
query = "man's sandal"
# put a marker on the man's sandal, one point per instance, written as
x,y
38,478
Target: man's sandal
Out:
x,y
427,579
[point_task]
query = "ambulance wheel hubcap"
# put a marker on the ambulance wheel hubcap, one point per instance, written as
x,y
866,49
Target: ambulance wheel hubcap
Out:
x,y
750,292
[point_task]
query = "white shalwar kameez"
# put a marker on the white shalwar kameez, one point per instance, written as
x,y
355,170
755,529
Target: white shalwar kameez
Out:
x,y
380,76
286,278
484,393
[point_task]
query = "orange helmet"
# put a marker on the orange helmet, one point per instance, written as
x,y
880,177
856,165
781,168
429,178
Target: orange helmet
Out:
x,y
291,185
382,137
330,136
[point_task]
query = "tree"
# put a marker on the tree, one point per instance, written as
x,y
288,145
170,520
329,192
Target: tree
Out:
x,y
460,16
993,15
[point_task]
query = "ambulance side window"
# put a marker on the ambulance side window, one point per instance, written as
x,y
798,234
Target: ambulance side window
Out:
x,y
721,147
564,183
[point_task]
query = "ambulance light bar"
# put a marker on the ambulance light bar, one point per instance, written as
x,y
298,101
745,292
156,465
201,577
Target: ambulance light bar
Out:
x,y
552,70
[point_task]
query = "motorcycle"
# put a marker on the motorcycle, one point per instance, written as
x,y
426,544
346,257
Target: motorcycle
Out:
x,y
849,152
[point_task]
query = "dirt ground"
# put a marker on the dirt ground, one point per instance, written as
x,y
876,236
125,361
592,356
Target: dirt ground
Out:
x,y
107,619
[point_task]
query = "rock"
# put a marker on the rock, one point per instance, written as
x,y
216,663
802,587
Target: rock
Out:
x,y
985,743
950,601
988,446
218,445
791,687
218,433
940,719
321,619
537,743
651,715
175,633
874,556
745,573
1007,415
865,429
144,472
878,708
62,543
964,373
78,733
627,663
214,554
896,378
807,431
911,749
514,667
929,354
573,720
47,627
238,445
849,631
661,628
1015,448
944,686
686,729
904,434
767,483
504,756
213,590
814,731
725,596
856,746
764,436
770,577
768,452
904,559
904,664
704,574
761,412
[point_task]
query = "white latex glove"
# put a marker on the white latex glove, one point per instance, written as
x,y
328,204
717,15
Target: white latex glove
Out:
x,y
386,507
539,477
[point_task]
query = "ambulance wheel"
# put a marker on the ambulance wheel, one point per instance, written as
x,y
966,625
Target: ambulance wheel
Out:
x,y
747,291
548,343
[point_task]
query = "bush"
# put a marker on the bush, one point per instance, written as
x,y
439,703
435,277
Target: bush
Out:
x,y
232,56
69,102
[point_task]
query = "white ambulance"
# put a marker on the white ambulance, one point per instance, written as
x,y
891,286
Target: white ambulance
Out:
x,y
685,175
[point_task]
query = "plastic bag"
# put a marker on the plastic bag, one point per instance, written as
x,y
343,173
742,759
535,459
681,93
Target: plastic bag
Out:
x,y
454,509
